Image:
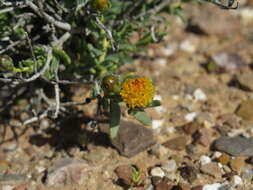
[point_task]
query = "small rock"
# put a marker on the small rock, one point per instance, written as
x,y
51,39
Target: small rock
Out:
x,y
211,169
199,95
226,169
245,110
172,176
215,186
158,172
191,116
67,172
205,160
237,180
203,137
133,138
188,46
159,151
245,80
235,146
228,24
224,159
189,173
157,124
125,174
191,127
237,164
169,166
177,143
12,179
228,62
164,184
247,174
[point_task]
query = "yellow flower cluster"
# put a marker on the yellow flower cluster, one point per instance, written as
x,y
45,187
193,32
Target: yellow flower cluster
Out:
x,y
137,92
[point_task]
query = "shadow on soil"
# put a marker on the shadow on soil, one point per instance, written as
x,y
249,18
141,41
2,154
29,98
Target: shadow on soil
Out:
x,y
69,133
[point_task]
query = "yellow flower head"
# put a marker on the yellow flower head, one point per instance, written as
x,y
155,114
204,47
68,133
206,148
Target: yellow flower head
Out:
x,y
137,92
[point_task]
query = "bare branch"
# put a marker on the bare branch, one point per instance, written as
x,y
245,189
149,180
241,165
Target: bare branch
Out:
x,y
62,39
6,10
50,19
42,71
57,100
108,32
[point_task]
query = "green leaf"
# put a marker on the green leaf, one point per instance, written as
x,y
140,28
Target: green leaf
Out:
x,y
141,116
154,103
62,55
114,118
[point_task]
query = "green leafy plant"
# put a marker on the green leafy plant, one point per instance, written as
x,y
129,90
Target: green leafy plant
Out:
x,y
136,176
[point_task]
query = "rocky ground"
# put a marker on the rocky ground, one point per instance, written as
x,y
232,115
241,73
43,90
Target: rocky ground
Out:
x,y
201,135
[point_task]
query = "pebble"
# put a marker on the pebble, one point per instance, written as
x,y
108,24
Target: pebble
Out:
x,y
204,160
133,138
245,110
188,46
172,176
177,143
245,80
235,146
157,124
227,61
211,169
159,151
199,95
247,174
124,173
215,186
224,159
158,172
237,164
191,128
191,116
164,184
66,172
203,137
169,166
189,173
237,180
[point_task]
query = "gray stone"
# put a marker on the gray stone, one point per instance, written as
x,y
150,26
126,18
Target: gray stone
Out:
x,y
68,172
133,138
13,179
228,61
235,146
